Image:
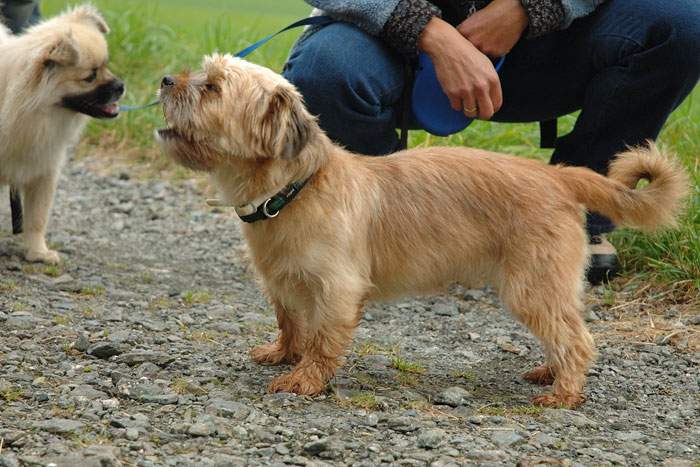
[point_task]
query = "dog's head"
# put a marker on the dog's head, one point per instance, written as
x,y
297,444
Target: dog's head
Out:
x,y
232,110
70,64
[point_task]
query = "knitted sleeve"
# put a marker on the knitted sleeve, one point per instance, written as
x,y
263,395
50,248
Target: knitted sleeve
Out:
x,y
368,15
405,25
544,16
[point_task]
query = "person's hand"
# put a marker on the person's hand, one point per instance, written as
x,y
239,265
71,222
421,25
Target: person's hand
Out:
x,y
466,75
496,29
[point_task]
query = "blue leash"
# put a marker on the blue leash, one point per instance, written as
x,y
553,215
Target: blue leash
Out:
x,y
311,21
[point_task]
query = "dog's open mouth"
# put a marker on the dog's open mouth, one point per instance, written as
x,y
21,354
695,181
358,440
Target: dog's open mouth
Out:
x,y
168,133
93,109
102,102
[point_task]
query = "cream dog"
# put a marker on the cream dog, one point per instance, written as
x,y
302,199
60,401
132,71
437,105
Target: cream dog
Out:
x,y
52,78
365,228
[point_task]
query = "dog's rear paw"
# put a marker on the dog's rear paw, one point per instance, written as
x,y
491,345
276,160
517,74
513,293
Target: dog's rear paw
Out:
x,y
298,383
541,375
566,401
270,354
46,256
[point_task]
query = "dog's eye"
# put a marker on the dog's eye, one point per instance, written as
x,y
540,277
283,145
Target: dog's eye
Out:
x,y
92,77
212,87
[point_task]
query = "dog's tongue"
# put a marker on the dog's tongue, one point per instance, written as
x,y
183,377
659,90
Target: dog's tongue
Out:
x,y
111,109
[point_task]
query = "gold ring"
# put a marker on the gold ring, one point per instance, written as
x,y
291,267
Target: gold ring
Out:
x,y
470,111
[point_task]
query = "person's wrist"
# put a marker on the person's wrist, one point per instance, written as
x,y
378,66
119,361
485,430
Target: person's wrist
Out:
x,y
433,35
516,8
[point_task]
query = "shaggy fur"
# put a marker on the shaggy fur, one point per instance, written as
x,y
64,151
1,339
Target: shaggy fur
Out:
x,y
369,228
50,77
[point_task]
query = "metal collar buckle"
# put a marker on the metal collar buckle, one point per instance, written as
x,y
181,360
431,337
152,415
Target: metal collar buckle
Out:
x,y
267,212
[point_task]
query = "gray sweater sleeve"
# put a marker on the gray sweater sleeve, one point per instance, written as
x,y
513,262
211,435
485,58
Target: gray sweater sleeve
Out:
x,y
369,15
552,15
398,22
574,9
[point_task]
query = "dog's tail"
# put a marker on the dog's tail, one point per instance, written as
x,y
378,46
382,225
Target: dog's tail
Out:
x,y
617,196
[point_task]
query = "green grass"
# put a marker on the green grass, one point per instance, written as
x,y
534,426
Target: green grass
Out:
x,y
154,38
406,366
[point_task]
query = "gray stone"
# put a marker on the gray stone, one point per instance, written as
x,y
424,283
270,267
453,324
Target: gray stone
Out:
x,y
147,392
317,446
372,419
568,418
431,438
8,461
201,429
82,343
505,438
59,425
486,455
86,392
445,309
453,396
132,434
228,409
402,424
140,356
473,295
105,350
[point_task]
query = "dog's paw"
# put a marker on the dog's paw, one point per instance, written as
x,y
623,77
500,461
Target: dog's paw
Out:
x,y
270,354
565,401
541,375
298,383
45,256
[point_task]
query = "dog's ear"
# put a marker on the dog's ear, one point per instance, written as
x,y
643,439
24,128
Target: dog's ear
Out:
x,y
285,125
88,14
61,51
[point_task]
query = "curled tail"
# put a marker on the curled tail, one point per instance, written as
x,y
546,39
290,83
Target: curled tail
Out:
x,y
616,196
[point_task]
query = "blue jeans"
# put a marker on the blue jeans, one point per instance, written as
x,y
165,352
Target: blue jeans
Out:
x,y
627,66
20,14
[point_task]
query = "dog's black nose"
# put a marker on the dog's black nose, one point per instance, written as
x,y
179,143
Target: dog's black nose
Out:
x,y
168,81
118,87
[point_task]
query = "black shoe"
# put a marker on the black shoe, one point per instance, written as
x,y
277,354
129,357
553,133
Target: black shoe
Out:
x,y
604,264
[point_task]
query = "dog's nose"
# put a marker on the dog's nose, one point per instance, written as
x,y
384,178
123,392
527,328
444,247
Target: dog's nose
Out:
x,y
118,87
168,81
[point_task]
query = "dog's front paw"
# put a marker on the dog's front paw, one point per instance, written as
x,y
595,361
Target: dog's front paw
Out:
x,y
566,401
43,256
270,354
298,382
541,375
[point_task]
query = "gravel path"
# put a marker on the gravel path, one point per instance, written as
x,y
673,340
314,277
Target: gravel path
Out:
x,y
134,352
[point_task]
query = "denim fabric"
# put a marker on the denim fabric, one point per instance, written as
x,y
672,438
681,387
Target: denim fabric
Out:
x,y
626,66
20,14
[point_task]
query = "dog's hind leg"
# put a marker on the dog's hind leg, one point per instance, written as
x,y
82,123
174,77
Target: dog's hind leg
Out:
x,y
329,331
38,198
287,347
547,299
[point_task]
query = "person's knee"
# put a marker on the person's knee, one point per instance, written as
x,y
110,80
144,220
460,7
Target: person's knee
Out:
x,y
677,29
685,41
341,65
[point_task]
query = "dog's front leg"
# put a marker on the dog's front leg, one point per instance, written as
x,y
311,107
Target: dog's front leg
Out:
x,y
288,346
38,198
329,332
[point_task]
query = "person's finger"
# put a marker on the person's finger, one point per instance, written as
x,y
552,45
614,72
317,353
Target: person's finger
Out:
x,y
496,94
485,104
469,105
455,102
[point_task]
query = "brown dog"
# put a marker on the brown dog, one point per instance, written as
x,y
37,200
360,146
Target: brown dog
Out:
x,y
368,228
